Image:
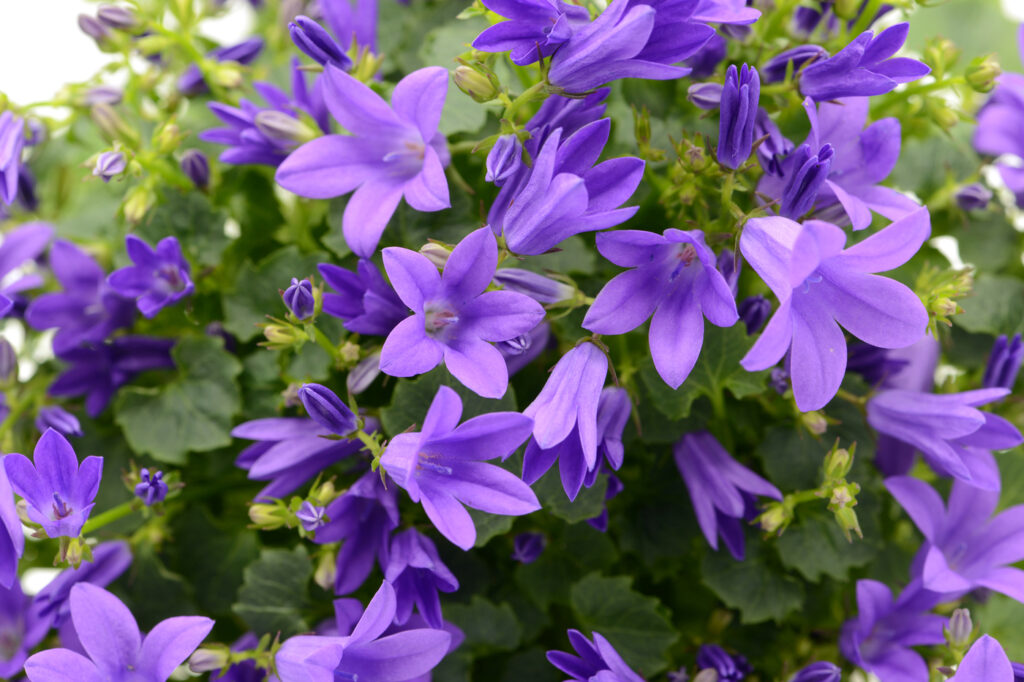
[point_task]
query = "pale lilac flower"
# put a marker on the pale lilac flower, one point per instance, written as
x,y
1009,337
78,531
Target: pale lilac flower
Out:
x,y
310,516
60,420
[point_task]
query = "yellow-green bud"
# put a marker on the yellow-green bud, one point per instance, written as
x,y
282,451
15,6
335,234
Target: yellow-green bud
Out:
x,y
436,253
281,336
982,73
268,516
941,55
776,517
480,85
209,658
226,74
838,464
815,422
349,352
326,569
138,203
168,138
847,9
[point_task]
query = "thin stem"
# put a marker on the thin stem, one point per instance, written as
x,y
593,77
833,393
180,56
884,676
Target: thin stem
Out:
x,y
110,516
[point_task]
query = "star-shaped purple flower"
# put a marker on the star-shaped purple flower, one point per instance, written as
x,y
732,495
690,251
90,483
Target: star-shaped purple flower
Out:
x,y
364,300
159,278
534,30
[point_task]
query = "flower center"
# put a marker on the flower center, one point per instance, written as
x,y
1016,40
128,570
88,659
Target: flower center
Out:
x,y
811,279
436,320
685,255
171,277
428,462
61,510
10,642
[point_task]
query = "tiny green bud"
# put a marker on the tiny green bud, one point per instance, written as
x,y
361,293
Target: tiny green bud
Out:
x,y
168,138
281,127
74,551
776,517
847,9
226,74
815,422
982,73
268,516
280,336
841,504
481,85
209,658
138,203
837,464
941,55
326,569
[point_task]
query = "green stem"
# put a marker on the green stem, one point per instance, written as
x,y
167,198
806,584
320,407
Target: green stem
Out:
x,y
531,93
321,340
867,15
110,516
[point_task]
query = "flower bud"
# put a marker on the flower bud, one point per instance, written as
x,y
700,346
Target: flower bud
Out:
x,y
362,375
810,170
838,463
111,124
117,17
754,311
958,632
151,487
109,165
195,165
92,27
168,138
841,504
281,336
436,253
317,44
107,94
75,551
325,571
327,409
299,299
527,547
538,287
740,96
480,85
819,671
8,362
280,127
982,73
776,517
1004,363
209,658
815,422
138,203
847,9
268,516
227,74
941,54
707,96
310,516
504,160
60,420
973,197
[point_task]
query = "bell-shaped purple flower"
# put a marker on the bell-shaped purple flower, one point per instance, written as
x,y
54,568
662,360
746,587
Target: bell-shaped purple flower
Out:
x,y
806,172
819,671
597,660
159,278
60,420
327,409
114,647
151,487
364,300
393,152
986,661
19,246
442,466
754,311
298,298
368,653
454,319
564,417
738,109
417,573
12,141
1004,363
527,547
12,539
723,491
820,285
60,493
673,277
730,668
951,433
534,30
314,40
863,68
191,82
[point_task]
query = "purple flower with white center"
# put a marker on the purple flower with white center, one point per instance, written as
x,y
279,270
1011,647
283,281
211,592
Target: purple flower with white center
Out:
x,y
393,152
879,638
310,516
723,491
298,297
363,516
326,409
12,141
88,310
985,662
59,492
114,646
538,287
368,653
191,82
98,371
525,348
673,277
973,197
564,193
820,285
196,166
290,451
597,661
819,671
504,160
729,668
965,549
158,278
12,539
534,30
1004,363
21,245
738,109
317,44
151,487
247,141
364,300
454,319
417,573
442,466
863,68
109,165
527,547
838,168
950,432
565,419
60,420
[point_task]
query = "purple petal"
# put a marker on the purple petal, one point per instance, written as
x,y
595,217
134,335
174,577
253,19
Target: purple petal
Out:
x,y
450,518
891,247
106,629
676,337
502,315
401,657
408,350
428,190
169,643
414,278
62,665
478,365
820,347
419,98
368,211
470,266
355,106
921,502
485,437
625,302
326,167
985,662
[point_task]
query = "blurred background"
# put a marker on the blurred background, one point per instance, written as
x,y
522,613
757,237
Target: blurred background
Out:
x,y
41,46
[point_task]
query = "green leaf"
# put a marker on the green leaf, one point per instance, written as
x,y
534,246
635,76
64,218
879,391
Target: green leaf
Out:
x,y
198,226
273,593
717,369
255,292
634,623
191,413
489,526
792,459
547,579
489,627
148,576
995,306
553,499
760,591
815,546
1001,617
411,399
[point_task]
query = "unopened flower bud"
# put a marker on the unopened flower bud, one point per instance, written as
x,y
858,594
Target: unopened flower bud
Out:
x,y
815,422
209,658
109,165
281,336
75,551
280,127
837,464
8,362
226,74
707,96
819,671
776,517
841,504
92,27
958,632
436,253
1004,362
267,516
754,311
941,55
314,40
528,546
325,571
107,94
110,123
327,409
117,17
60,420
138,203
982,73
300,299
168,138
973,197
504,160
847,9
362,375
538,287
195,165
482,87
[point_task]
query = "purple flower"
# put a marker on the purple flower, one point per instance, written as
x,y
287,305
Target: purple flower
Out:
x,y
442,468
352,24
534,30
597,661
707,96
997,130
159,278
59,492
114,646
364,300
564,193
368,652
363,516
298,297
723,491
729,668
19,246
248,142
504,160
311,517
1004,363
776,68
819,671
393,152
98,371
672,276
109,165
985,662
820,285
862,68
565,419
151,487
191,82
964,548
88,309
417,573
289,451
879,639
525,348
754,311
837,169
314,40
454,320
12,539
327,409
60,420
196,166
738,107
952,434
527,547
973,197
706,60
12,141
